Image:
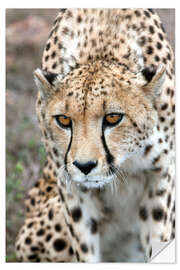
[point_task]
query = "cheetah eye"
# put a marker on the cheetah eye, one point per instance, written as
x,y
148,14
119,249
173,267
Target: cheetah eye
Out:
x,y
63,121
112,119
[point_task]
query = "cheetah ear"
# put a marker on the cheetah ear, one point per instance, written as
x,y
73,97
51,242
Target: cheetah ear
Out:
x,y
155,78
44,81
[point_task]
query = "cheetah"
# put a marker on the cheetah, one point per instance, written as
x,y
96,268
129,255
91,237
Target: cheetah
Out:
x,y
106,111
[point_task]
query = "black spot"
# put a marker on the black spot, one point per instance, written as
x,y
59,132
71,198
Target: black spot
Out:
x,y
50,214
32,257
59,244
147,14
40,232
168,91
151,10
147,149
53,54
165,218
54,65
34,248
157,58
42,222
33,202
149,50
162,119
143,213
158,214
150,252
148,73
164,106
169,56
49,188
173,108
94,226
70,94
48,237
71,251
160,36
48,45
77,256
28,241
172,122
84,248
138,14
46,58
55,151
55,39
79,19
128,17
151,29
142,41
147,239
57,227
76,214
174,223
169,200
30,224
164,60
156,23
156,159
159,46
90,29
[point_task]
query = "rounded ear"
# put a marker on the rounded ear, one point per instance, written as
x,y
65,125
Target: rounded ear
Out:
x,y
155,78
44,81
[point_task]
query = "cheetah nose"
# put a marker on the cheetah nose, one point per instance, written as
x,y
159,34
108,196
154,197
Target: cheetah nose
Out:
x,y
85,167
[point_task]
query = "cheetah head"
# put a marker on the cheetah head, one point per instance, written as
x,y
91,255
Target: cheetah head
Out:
x,y
97,118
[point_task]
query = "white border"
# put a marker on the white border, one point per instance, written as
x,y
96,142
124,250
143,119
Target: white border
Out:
x,y
63,4
89,4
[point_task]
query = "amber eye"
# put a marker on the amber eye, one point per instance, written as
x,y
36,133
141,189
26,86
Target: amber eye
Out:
x,y
113,119
63,120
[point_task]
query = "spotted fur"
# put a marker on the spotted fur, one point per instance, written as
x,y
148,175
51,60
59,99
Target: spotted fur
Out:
x,y
107,191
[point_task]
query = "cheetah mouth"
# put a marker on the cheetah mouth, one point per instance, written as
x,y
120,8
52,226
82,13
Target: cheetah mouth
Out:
x,y
92,183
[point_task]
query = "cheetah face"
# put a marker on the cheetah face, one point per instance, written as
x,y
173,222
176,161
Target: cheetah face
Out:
x,y
95,119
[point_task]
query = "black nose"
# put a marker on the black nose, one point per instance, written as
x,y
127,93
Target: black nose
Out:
x,y
85,167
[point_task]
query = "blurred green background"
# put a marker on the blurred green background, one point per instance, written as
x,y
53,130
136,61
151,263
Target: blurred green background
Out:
x,y
26,33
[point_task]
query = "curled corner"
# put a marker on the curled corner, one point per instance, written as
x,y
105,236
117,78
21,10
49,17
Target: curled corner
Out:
x,y
163,252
